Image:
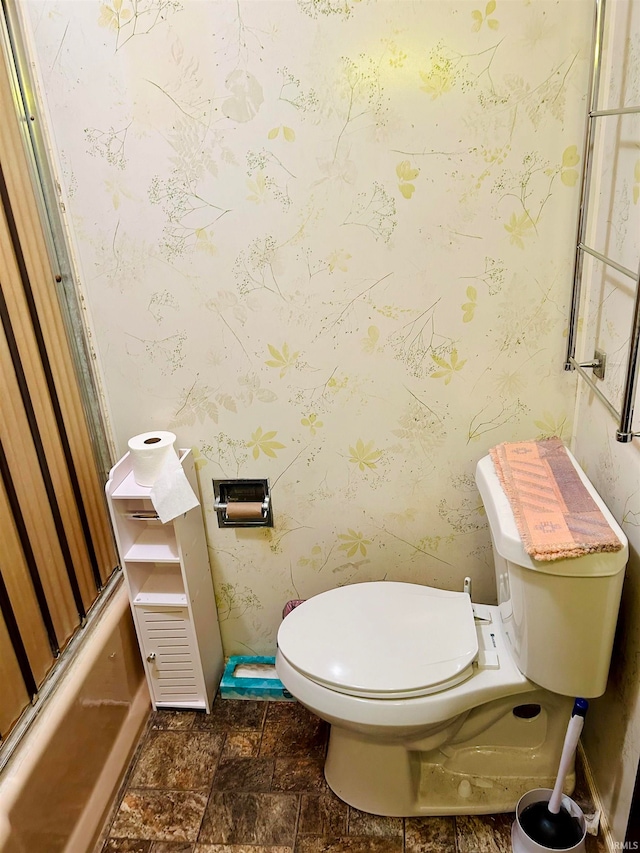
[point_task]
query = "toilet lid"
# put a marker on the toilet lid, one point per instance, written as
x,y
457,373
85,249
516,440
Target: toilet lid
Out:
x,y
382,639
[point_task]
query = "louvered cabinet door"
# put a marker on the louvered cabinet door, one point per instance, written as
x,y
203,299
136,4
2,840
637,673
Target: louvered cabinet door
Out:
x,y
171,658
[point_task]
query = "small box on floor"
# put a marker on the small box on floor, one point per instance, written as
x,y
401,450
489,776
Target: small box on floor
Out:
x,y
247,677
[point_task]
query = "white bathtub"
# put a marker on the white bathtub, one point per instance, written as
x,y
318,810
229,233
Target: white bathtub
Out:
x,y
58,787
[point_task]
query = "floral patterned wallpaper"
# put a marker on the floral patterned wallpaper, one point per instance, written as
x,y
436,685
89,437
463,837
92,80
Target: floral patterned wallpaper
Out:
x,y
327,242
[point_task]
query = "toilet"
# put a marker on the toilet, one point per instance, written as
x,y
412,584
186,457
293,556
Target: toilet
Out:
x,y
440,706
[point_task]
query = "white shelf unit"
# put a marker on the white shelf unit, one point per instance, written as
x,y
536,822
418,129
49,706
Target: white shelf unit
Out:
x,y
168,576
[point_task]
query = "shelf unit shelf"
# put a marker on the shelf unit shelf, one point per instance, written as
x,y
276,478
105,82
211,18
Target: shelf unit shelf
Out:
x,y
170,598
158,587
154,546
170,591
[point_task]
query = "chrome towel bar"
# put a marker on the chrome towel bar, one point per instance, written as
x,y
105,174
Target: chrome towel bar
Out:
x,y
624,433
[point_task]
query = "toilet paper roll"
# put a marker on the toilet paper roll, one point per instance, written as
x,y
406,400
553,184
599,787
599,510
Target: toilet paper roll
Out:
x,y
150,452
244,510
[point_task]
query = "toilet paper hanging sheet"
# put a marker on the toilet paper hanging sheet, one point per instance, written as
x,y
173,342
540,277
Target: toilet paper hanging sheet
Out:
x,y
155,463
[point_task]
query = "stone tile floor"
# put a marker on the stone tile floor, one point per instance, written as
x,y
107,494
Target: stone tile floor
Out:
x,y
248,779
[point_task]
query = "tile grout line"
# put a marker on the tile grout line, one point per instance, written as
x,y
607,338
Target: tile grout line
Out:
x,y
297,823
213,776
262,727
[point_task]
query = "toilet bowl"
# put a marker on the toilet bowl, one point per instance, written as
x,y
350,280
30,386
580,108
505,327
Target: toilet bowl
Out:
x,y
363,672
462,732
439,706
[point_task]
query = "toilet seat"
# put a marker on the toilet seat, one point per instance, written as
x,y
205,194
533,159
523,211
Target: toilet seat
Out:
x,y
382,640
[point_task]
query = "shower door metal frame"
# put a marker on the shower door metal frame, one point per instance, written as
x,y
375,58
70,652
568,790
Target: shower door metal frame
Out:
x,y
14,52
624,433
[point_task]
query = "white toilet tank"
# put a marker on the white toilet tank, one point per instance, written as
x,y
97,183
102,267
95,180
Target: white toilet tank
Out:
x,y
559,616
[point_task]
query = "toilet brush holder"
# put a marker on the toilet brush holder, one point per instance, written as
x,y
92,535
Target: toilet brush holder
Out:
x,y
523,843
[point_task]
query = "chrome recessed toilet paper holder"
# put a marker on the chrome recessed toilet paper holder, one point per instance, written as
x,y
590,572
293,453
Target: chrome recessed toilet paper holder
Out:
x,y
242,503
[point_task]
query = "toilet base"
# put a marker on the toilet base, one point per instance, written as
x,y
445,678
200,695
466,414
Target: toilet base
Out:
x,y
495,757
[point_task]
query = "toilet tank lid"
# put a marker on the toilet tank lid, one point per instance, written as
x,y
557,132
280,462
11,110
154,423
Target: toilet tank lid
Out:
x,y
507,541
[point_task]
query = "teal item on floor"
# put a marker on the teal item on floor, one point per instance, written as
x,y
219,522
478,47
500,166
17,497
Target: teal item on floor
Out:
x,y
252,677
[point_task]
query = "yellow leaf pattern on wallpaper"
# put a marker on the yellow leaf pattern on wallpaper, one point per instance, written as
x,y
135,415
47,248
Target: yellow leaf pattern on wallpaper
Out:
x,y
364,455
398,56
312,422
315,560
352,542
468,308
283,359
552,426
138,17
479,19
112,17
519,227
570,158
442,73
448,369
636,186
288,133
437,82
204,242
339,259
258,187
370,342
264,443
406,173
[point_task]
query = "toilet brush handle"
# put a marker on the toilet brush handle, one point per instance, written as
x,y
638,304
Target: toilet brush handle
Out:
x,y
571,739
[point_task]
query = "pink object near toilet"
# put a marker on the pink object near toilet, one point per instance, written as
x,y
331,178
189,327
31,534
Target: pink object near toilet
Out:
x,y
291,605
